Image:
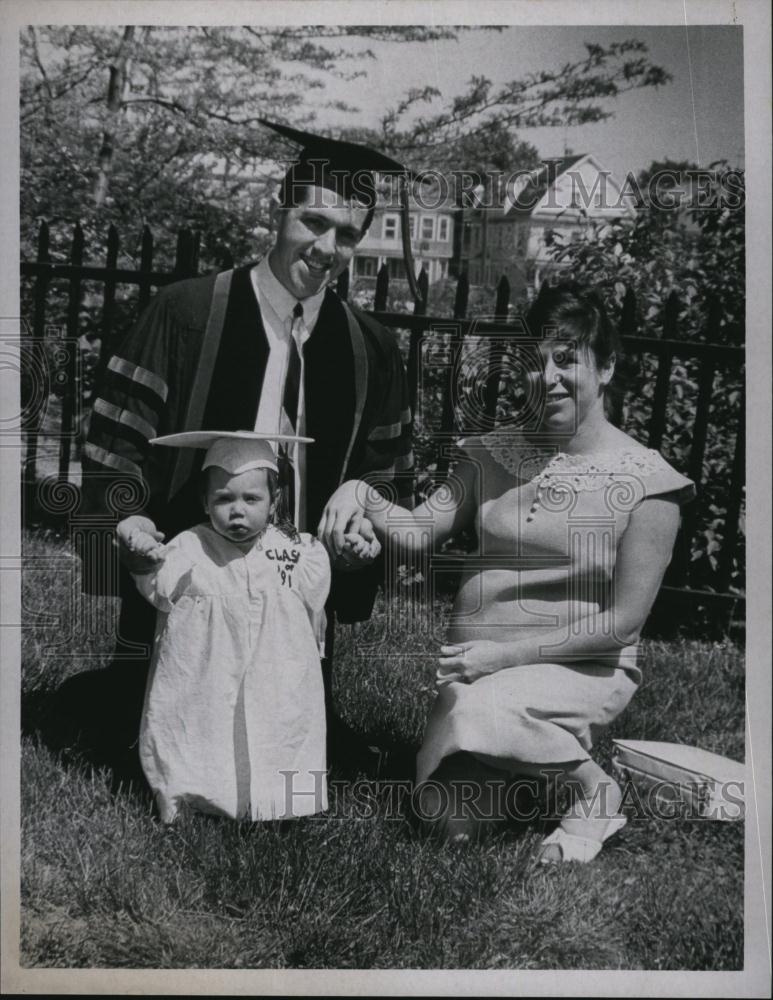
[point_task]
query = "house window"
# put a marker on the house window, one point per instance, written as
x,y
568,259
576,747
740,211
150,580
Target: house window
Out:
x,y
427,227
366,267
474,274
442,269
412,226
396,268
390,227
442,229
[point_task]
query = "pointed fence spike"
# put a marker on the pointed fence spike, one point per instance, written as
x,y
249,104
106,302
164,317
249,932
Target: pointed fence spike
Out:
x,y
78,240
146,265
503,298
382,289
671,316
543,289
180,249
43,241
713,320
146,249
628,320
195,251
420,305
113,243
462,296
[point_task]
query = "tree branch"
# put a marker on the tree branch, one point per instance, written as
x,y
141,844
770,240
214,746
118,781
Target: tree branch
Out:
x,y
36,54
116,88
162,102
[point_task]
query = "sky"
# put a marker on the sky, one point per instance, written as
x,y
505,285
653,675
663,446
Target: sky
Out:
x,y
696,117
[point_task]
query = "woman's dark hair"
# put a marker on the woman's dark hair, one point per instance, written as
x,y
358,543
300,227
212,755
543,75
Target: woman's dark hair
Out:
x,y
567,310
282,520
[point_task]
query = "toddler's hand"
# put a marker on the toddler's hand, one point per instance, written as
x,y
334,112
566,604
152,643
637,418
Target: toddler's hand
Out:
x,y
136,536
365,549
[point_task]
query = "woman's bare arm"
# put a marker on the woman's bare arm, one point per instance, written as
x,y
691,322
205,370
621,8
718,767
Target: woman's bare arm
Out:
x,y
450,508
644,553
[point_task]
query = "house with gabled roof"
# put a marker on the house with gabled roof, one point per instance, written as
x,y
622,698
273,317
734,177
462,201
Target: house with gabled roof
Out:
x,y
431,225
511,229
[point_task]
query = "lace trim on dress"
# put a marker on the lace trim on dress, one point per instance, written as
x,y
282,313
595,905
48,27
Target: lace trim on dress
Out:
x,y
545,466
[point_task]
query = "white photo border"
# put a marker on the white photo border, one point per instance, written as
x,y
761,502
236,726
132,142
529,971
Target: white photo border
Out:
x,y
754,980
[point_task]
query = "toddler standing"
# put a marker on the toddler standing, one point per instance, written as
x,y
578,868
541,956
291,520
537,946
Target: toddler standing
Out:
x,y
234,714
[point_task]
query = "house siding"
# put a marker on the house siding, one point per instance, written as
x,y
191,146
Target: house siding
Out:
x,y
512,240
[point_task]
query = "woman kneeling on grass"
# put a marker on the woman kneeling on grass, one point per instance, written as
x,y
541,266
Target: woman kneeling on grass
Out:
x,y
575,524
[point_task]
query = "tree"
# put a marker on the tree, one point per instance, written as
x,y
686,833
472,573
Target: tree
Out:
x,y
575,93
695,249
160,126
148,124
141,125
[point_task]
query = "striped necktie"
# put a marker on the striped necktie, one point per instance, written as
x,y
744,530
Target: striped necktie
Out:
x,y
292,387
290,459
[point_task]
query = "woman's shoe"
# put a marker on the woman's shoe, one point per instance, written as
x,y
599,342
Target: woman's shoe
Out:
x,y
574,848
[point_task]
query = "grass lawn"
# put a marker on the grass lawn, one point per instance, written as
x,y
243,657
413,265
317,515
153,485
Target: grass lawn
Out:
x,y
105,885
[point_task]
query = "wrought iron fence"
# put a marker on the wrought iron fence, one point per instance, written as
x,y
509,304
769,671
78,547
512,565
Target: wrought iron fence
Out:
x,y
707,356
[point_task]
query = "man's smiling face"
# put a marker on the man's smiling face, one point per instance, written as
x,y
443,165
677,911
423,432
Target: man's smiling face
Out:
x,y
315,241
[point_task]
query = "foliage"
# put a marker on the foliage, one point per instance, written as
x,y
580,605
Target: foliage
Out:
x,y
575,93
686,270
161,125
697,253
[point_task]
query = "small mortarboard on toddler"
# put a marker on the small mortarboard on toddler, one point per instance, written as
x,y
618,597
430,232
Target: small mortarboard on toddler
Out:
x,y
239,451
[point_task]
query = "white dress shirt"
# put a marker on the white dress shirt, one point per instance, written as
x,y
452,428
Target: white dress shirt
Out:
x,y
276,309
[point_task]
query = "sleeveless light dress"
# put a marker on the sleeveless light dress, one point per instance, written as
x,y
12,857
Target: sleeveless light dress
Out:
x,y
549,525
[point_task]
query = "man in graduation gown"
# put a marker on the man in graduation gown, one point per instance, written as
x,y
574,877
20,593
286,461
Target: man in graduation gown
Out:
x,y
267,346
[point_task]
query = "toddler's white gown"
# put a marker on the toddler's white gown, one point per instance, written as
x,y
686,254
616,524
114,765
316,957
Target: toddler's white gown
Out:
x,y
234,716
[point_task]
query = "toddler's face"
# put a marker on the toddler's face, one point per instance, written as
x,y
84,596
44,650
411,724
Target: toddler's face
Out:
x,y
239,506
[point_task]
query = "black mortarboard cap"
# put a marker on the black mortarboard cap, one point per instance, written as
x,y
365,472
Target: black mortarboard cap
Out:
x,y
345,167
339,154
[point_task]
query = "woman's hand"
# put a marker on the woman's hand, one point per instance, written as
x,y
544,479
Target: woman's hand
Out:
x,y
467,661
